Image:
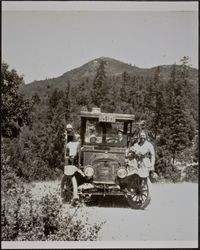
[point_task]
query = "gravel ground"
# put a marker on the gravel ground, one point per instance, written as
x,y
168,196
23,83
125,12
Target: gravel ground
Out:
x,y
172,214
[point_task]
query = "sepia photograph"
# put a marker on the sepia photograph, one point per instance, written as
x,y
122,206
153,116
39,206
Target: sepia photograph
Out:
x,y
99,124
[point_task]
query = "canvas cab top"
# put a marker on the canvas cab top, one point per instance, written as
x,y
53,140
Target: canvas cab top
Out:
x,y
106,117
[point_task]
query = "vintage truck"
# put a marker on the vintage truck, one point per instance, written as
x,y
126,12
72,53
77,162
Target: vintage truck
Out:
x,y
100,166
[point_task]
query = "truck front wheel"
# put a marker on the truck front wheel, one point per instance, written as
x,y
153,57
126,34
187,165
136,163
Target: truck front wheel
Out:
x,y
69,189
138,195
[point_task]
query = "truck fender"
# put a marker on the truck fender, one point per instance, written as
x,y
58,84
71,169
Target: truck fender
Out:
x,y
71,170
142,172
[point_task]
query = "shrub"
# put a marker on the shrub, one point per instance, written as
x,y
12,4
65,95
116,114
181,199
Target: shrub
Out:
x,y
20,162
26,219
167,170
191,173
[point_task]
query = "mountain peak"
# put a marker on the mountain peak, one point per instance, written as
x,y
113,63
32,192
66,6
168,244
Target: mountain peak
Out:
x,y
104,58
109,59
87,72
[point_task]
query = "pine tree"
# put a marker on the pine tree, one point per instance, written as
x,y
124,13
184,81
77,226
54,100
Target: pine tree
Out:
x,y
101,91
54,152
36,99
125,88
67,103
184,66
83,94
157,113
114,103
178,129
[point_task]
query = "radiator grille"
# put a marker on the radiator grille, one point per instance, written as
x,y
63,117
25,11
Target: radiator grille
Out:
x,y
104,171
87,156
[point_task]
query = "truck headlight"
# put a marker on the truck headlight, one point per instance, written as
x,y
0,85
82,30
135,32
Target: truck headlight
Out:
x,y
122,172
89,171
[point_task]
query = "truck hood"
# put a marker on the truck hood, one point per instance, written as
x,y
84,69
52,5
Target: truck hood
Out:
x,y
103,157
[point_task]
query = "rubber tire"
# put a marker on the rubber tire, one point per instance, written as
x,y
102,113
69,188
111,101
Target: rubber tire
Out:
x,y
133,204
68,188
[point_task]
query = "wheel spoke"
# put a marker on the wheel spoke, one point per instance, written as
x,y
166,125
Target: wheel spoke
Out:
x,y
143,185
138,198
142,198
144,190
67,188
144,195
133,196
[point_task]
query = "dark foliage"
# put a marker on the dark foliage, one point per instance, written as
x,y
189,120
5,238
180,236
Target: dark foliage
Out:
x,y
165,101
32,143
166,170
24,218
191,173
14,108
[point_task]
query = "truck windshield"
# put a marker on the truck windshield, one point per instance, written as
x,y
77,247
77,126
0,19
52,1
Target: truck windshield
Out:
x,y
113,134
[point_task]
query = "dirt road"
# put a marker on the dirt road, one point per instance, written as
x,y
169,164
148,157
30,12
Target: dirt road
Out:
x,y
171,215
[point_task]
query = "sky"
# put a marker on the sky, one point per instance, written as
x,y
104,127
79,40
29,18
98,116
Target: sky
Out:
x,y
42,44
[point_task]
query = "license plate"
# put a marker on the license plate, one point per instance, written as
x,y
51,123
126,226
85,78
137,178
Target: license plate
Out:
x,y
107,118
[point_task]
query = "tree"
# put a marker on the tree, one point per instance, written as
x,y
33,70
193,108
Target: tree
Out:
x,y
176,125
157,107
15,109
36,99
54,150
98,90
67,102
101,91
125,88
83,94
178,130
115,103
184,66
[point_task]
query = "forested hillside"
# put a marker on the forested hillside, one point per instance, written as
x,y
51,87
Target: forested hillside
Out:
x,y
34,117
113,69
35,114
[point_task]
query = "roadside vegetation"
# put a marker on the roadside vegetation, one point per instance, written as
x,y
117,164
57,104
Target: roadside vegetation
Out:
x,y
32,142
24,218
